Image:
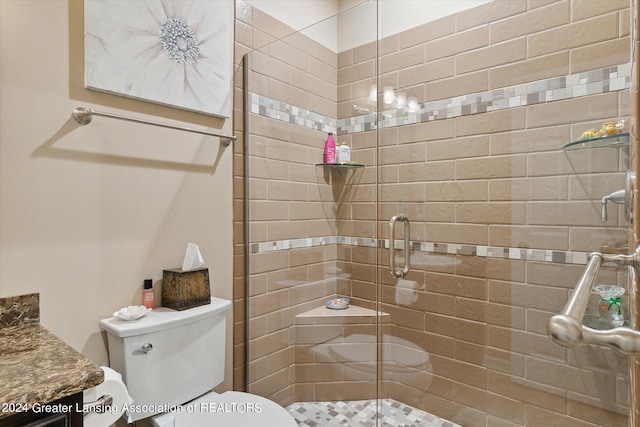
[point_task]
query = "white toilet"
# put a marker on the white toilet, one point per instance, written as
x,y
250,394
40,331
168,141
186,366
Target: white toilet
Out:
x,y
171,360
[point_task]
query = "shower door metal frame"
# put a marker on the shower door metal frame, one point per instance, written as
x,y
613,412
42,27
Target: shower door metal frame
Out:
x,y
246,63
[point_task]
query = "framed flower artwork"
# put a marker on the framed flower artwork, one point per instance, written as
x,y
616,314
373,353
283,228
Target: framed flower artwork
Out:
x,y
170,52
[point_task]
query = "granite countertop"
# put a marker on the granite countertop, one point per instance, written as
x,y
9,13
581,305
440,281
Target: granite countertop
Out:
x,y
36,367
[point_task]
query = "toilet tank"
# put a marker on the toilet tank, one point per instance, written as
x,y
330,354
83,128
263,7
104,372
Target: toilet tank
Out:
x,y
184,356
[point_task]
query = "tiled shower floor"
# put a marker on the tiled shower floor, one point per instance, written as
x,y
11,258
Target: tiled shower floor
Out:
x,y
362,413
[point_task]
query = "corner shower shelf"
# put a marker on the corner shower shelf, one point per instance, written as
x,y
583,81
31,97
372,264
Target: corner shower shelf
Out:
x,y
339,166
617,140
351,315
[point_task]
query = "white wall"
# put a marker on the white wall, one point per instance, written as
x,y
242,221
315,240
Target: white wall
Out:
x,y
400,15
356,24
298,14
87,213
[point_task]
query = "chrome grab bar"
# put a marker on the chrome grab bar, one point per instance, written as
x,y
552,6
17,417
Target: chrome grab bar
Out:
x,y
392,246
566,328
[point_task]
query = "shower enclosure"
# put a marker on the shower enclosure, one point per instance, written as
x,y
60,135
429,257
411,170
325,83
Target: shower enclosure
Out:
x,y
459,228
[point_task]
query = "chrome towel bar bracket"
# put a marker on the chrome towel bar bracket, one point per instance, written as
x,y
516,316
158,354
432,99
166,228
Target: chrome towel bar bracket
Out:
x,y
566,328
83,116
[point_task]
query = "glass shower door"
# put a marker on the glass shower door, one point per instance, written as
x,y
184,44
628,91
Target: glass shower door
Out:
x,y
475,107
310,226
460,231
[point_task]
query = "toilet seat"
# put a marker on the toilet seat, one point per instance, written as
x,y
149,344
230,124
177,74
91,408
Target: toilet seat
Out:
x,y
235,409
229,409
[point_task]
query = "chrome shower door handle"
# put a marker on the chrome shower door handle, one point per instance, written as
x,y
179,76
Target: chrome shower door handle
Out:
x,y
399,274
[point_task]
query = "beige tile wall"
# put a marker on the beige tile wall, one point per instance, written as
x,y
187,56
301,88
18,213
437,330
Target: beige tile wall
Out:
x,y
498,179
288,200
253,29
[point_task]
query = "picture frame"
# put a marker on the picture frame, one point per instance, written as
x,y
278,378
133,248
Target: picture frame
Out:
x,y
171,52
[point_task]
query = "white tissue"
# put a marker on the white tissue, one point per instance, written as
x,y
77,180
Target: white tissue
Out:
x,y
193,258
111,386
406,292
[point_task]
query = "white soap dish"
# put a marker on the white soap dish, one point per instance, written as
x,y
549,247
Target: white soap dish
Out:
x,y
132,312
338,303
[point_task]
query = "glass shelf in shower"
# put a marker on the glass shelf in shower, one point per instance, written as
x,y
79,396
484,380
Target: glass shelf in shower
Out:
x,y
339,166
617,140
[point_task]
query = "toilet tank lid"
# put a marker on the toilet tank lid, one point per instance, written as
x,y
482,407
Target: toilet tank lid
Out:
x,y
162,318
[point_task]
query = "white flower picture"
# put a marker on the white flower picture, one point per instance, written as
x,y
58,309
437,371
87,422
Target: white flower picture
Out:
x,y
171,52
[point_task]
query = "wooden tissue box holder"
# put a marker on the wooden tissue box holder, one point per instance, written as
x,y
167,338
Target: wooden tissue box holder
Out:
x,y
185,289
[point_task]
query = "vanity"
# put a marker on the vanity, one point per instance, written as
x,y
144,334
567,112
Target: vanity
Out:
x,y
41,377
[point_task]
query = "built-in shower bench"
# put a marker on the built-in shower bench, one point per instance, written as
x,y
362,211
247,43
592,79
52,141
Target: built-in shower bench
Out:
x,y
336,353
352,314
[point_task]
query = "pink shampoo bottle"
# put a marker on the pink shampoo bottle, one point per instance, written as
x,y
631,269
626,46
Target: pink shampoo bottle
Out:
x,y
330,150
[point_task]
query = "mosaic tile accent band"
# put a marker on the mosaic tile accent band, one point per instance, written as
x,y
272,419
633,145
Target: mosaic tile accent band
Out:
x,y
543,255
608,79
278,110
